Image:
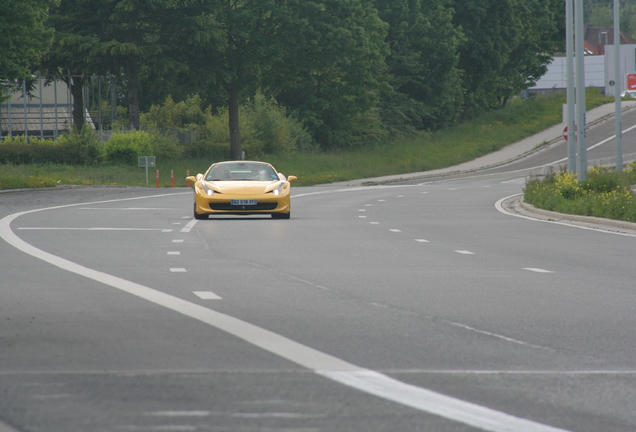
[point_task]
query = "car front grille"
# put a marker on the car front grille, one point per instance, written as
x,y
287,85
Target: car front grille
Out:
x,y
230,207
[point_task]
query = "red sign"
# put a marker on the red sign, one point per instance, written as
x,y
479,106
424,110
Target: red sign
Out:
x,y
565,132
631,81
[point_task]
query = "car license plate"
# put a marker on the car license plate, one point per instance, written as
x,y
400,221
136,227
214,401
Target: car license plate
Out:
x,y
243,202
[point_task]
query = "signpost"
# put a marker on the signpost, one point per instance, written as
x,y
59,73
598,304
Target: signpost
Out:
x,y
145,162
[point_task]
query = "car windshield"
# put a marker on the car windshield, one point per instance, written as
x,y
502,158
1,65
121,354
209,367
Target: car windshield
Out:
x,y
241,171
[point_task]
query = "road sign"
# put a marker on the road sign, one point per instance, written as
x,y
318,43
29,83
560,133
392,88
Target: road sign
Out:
x,y
565,133
631,81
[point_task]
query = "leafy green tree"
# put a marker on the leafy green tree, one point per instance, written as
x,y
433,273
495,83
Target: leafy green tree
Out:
x,y
507,46
137,40
24,37
422,64
332,67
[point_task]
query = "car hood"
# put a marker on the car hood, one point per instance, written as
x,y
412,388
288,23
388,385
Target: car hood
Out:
x,y
243,187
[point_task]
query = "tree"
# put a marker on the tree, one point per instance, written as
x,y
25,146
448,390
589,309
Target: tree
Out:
x,y
24,37
332,70
508,44
131,39
422,64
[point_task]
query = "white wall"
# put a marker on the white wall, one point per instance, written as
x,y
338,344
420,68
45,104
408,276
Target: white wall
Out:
x,y
555,77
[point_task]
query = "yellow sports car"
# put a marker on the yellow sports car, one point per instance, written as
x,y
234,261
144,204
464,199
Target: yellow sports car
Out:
x,y
241,188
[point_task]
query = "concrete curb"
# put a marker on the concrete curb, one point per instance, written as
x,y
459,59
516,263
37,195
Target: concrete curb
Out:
x,y
591,221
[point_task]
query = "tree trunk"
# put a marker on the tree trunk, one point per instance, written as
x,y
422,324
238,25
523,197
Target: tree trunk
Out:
x,y
77,91
235,133
133,94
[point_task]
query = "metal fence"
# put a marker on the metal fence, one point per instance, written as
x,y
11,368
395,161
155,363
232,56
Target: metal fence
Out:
x,y
43,106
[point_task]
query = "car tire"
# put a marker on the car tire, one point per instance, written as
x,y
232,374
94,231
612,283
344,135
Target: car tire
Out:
x,y
198,216
281,215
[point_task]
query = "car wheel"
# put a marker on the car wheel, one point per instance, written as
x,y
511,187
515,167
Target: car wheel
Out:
x,y
281,215
197,215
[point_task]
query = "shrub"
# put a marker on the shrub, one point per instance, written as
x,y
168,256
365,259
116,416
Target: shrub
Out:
x,y
72,148
175,115
80,147
605,193
125,148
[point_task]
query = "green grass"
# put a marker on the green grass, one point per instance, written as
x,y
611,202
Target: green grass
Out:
x,y
427,151
605,193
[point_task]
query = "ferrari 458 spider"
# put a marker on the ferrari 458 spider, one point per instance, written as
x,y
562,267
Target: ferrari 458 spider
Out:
x,y
241,188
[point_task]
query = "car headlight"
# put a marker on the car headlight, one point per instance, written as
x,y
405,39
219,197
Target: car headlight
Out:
x,y
208,191
279,189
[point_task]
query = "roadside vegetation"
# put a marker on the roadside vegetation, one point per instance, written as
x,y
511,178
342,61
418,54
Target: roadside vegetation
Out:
x,y
80,158
605,193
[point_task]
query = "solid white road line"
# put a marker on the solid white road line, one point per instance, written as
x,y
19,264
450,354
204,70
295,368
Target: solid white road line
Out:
x,y
324,364
93,229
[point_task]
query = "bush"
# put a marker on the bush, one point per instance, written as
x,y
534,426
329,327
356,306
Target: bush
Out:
x,y
74,148
125,148
605,193
175,115
80,147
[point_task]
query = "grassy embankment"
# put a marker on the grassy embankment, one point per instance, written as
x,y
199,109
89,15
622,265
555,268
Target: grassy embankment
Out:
x,y
488,133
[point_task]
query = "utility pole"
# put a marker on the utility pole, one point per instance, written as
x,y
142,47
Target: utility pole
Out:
x,y
581,135
569,71
618,87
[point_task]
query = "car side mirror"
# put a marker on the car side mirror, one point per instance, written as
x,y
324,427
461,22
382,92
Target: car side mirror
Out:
x,y
191,179
291,178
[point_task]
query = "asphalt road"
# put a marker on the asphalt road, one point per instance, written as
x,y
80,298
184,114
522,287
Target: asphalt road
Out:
x,y
406,307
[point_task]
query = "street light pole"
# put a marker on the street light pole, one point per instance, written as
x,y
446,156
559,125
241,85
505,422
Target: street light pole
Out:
x,y
618,86
569,71
579,38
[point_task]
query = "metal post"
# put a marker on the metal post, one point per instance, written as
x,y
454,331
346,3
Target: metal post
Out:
x,y
569,44
26,118
55,106
618,86
41,107
581,136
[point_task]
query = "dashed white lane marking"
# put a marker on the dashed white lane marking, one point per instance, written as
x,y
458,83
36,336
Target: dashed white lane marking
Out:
x,y
422,240
368,205
400,196
207,295
361,210
362,217
188,226
178,270
465,252
537,270
321,363
395,230
177,241
381,200
374,223
174,253
179,413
